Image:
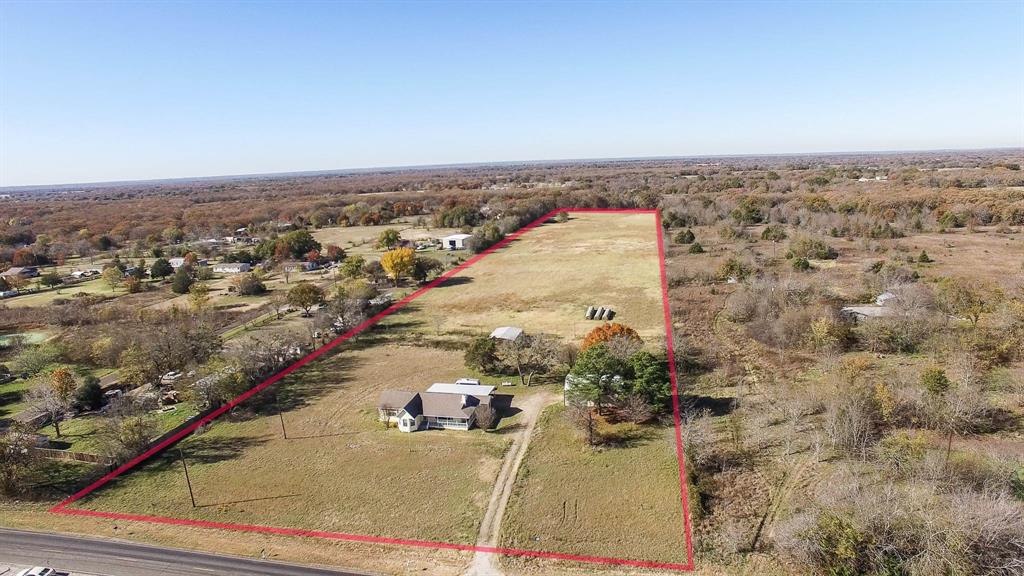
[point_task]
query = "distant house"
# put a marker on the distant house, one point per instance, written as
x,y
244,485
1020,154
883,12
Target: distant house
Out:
x,y
20,272
510,333
178,262
232,267
455,241
442,406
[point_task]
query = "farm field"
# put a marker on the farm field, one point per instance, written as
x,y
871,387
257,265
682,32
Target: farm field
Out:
x,y
340,470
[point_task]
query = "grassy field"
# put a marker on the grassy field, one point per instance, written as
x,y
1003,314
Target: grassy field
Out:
x,y
545,281
340,470
619,502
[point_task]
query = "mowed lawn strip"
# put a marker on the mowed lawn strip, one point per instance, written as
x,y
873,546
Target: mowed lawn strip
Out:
x,y
618,502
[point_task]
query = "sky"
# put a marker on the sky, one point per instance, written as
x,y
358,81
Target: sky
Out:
x,y
119,91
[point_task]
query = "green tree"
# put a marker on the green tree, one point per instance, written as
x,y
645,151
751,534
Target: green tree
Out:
x,y
51,279
651,380
89,395
389,239
113,277
182,280
352,267
161,268
596,376
696,248
482,355
305,295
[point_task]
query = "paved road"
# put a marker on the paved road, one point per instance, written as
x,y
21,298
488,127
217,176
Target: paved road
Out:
x,y
119,558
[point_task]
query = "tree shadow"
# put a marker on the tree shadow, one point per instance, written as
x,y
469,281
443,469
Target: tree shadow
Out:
x,y
628,436
510,429
716,406
9,398
454,281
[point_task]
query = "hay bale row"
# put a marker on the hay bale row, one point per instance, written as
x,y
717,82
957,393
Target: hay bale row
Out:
x,y
599,313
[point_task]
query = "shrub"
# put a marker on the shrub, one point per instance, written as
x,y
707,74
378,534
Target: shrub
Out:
x,y
89,395
812,248
696,248
685,237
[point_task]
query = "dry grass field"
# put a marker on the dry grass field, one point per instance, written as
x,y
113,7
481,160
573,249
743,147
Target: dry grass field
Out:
x,y
620,502
544,281
339,470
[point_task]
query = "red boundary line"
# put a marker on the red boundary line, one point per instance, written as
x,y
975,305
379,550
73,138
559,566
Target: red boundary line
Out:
x,y
62,508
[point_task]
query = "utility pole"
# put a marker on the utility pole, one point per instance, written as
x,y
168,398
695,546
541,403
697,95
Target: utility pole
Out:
x,y
280,415
188,480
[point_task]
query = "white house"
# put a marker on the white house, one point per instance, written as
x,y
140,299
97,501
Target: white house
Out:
x,y
178,262
455,241
231,267
442,406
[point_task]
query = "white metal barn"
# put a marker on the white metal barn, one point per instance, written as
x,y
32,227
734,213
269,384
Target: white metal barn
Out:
x,y
455,241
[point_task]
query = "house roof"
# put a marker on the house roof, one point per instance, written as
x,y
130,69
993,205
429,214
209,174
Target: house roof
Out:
x,y
457,237
397,399
507,332
444,405
461,389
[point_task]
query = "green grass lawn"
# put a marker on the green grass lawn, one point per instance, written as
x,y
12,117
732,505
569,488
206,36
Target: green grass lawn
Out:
x,y
621,502
12,397
82,434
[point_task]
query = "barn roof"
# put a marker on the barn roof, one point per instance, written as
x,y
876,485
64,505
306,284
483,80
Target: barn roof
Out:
x,y
467,389
507,333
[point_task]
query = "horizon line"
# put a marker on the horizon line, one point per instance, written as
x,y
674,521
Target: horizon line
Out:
x,y
458,165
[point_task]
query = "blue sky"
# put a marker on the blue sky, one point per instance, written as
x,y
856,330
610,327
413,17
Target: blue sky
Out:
x,y
114,91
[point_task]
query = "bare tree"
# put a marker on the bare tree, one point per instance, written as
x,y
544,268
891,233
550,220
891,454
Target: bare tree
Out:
x,y
51,402
529,355
582,416
636,409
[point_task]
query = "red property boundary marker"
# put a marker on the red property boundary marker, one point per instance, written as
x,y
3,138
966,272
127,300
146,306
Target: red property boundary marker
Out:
x,y
63,508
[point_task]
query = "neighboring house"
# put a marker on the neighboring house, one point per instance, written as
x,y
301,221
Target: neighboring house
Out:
x,y
455,241
510,333
442,406
178,262
20,271
231,267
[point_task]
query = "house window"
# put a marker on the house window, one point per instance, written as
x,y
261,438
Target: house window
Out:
x,y
408,423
